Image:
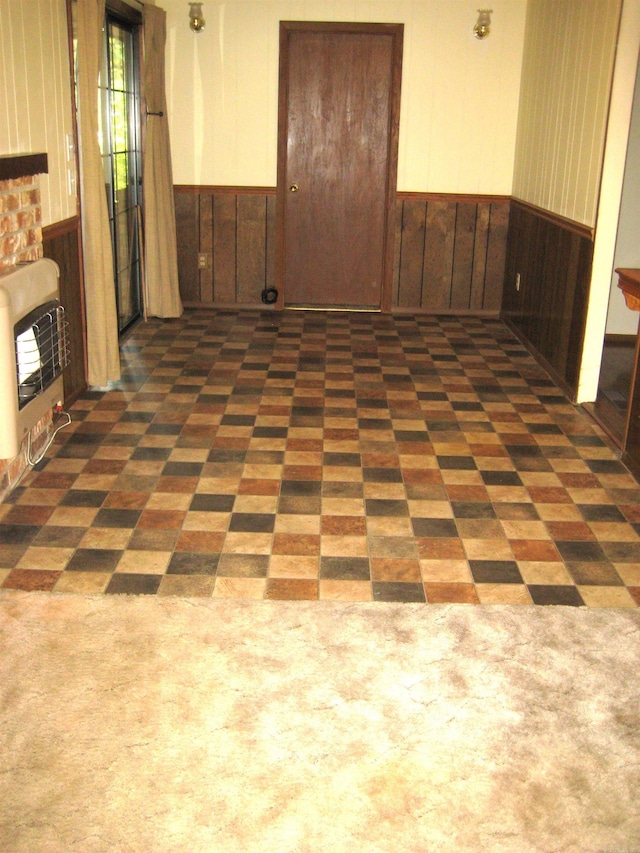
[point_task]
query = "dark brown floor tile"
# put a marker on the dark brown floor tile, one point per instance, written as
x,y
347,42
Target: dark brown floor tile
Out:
x,y
54,536
125,518
495,571
193,563
291,589
133,584
451,593
32,515
300,504
31,580
94,560
345,568
622,552
252,522
592,573
398,591
18,534
581,551
431,528
555,594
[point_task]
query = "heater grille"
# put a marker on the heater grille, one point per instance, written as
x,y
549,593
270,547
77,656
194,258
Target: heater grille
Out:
x,y
33,350
42,350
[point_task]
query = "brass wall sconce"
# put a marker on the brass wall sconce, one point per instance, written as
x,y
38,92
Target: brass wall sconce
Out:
x,y
196,21
483,24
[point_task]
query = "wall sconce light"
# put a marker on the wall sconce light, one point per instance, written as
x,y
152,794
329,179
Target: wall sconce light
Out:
x,y
483,24
196,21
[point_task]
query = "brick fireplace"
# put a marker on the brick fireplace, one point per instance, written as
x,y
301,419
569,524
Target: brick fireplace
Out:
x,y
20,242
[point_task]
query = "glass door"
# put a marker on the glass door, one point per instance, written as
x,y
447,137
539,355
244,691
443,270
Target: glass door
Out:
x,y
121,156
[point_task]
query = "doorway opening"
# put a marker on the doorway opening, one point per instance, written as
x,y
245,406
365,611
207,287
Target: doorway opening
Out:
x,y
120,145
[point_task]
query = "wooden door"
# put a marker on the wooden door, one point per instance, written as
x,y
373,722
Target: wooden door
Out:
x,y
337,163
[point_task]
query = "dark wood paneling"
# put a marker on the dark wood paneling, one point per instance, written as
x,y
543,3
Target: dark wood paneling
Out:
x,y
252,247
61,243
224,248
187,228
449,252
553,258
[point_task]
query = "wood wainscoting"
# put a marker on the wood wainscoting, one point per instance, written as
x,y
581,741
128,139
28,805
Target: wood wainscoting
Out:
x,y
449,253
548,310
61,243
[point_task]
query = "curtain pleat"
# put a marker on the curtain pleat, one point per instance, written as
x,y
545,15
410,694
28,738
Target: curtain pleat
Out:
x,y
103,357
161,251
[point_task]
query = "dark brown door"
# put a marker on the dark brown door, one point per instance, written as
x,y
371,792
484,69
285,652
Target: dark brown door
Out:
x,y
338,141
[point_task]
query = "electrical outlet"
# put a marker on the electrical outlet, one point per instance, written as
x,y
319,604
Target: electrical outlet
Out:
x,y
203,261
517,281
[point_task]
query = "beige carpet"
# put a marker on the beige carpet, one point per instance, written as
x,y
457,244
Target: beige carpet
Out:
x,y
157,724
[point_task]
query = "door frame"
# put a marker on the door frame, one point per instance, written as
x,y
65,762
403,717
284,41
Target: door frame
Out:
x,y
396,31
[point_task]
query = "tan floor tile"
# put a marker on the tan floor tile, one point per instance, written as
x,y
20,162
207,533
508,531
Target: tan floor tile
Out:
x,y
385,569
169,500
629,572
196,586
45,558
342,506
297,524
72,516
254,588
289,566
462,478
607,596
114,538
3,575
85,583
98,482
341,473
559,512
305,458
525,530
540,572
218,485
613,532
338,590
344,546
256,503
446,571
503,593
213,521
509,494
388,526
247,543
384,491
262,472
144,562
487,549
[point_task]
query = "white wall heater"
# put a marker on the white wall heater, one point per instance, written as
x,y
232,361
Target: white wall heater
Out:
x,y
33,349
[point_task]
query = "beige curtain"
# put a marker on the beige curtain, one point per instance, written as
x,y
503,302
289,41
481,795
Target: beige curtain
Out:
x,y
161,250
100,296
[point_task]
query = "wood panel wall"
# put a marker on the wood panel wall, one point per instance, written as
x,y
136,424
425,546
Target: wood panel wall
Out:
x,y
449,250
61,243
553,257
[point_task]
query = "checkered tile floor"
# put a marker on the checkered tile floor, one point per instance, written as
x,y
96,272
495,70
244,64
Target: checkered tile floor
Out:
x,y
305,455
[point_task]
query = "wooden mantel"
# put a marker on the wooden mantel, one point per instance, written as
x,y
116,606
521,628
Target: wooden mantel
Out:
x,y
14,166
629,284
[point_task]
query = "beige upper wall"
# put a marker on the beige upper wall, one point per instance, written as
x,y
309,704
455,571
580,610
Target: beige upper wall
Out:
x,y
459,95
35,96
566,80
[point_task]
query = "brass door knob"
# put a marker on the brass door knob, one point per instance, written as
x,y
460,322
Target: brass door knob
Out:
x,y
293,188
